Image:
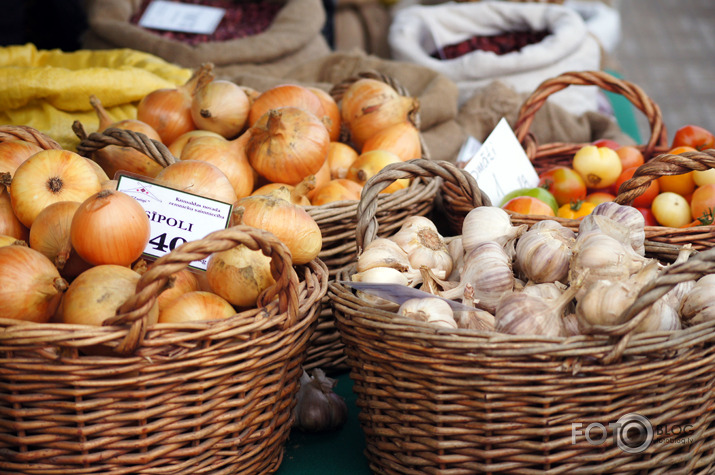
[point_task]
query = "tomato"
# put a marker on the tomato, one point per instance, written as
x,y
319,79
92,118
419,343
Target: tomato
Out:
x,y
564,183
702,203
598,197
672,210
576,210
612,144
693,136
648,216
598,166
537,192
630,156
680,149
645,199
681,184
529,205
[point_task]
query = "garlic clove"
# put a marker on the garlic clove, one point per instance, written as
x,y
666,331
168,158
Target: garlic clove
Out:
x,y
480,320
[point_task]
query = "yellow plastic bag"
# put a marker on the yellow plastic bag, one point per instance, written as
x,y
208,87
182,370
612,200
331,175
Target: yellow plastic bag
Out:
x,y
49,89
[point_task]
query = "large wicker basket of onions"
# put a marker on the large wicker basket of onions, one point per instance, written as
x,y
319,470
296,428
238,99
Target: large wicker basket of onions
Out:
x,y
133,396
568,352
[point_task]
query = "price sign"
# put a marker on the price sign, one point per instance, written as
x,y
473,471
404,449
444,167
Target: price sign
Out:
x,y
175,216
188,18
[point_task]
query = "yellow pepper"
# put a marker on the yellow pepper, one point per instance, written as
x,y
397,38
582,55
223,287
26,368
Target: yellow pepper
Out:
x,y
575,209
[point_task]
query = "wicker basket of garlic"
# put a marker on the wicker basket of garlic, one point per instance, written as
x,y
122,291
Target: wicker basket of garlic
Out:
x,y
557,332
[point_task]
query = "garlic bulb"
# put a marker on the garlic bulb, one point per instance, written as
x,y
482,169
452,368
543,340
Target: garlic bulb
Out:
x,y
545,290
570,325
318,408
624,223
699,304
490,223
383,252
476,320
488,273
430,310
378,275
425,247
456,250
519,313
543,253
661,317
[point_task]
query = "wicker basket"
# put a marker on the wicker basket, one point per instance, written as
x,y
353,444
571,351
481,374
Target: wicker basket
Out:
x,y
437,401
203,397
546,156
28,134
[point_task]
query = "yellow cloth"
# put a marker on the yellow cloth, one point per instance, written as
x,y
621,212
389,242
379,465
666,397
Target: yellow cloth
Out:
x,y
49,89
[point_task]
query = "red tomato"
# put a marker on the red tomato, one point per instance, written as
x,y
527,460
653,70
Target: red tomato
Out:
x,y
693,136
598,197
564,183
630,156
529,205
702,203
648,216
645,199
606,143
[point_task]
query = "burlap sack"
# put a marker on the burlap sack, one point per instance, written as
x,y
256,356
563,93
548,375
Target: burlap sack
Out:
x,y
293,38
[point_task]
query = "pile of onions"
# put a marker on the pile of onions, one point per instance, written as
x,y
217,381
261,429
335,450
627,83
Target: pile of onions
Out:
x,y
200,178
182,282
285,95
14,152
368,164
177,146
31,288
369,106
331,113
220,106
337,189
197,305
50,232
287,144
50,176
402,139
298,194
113,158
340,157
239,275
110,227
168,110
9,224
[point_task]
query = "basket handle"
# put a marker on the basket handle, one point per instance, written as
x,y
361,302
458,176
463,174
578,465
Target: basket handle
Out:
x,y
663,165
28,134
89,144
133,312
367,224
657,141
698,265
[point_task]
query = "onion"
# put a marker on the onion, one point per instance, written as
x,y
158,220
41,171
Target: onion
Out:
x,y
285,95
6,240
50,232
297,194
288,144
403,139
369,106
228,155
340,157
183,281
50,176
97,293
178,145
368,164
290,223
168,110
239,275
220,106
14,152
321,178
337,189
30,286
200,178
331,112
114,158
194,306
9,224
110,227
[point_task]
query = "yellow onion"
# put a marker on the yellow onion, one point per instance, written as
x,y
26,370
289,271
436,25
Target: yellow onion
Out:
x,y
14,152
369,106
229,156
297,194
340,157
31,288
182,282
50,176
220,106
200,178
114,158
6,240
177,146
285,95
331,112
110,227
402,139
9,224
369,164
50,232
168,110
337,189
287,144
97,293
239,275
197,305
290,223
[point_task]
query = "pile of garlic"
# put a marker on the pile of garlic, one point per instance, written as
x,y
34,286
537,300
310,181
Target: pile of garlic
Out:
x,y
543,281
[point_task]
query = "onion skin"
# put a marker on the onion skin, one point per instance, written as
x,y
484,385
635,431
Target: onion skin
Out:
x,y
9,224
239,275
285,95
177,145
14,152
331,113
183,281
195,306
50,232
337,189
340,157
110,227
220,106
48,177
402,139
31,288
98,292
200,178
370,163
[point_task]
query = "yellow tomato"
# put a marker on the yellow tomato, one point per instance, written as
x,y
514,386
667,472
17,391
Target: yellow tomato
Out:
x,y
671,209
576,209
599,167
705,177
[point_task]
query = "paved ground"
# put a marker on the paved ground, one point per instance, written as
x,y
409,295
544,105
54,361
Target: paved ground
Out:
x,y
667,47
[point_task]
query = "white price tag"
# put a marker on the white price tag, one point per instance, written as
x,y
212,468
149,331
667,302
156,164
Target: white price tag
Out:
x,y
500,165
175,216
188,18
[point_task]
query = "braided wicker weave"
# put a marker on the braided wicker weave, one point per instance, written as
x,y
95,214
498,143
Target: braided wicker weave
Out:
x,y
204,397
437,401
28,134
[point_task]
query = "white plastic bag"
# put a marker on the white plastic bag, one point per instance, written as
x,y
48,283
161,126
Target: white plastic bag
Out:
x,y
417,31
